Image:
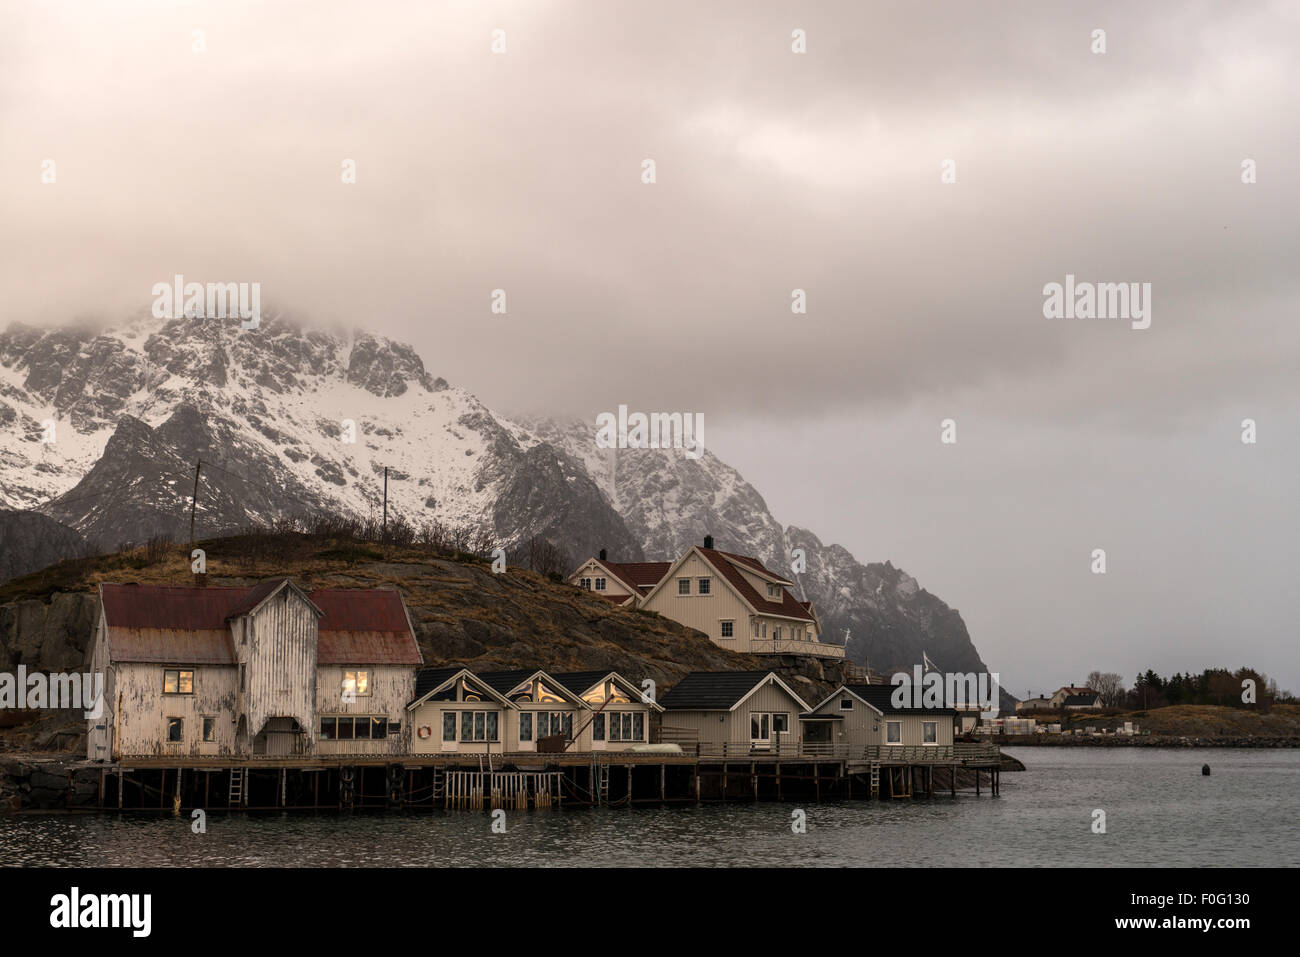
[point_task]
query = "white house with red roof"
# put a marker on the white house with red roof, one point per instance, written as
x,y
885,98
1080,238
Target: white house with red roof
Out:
x,y
734,599
264,670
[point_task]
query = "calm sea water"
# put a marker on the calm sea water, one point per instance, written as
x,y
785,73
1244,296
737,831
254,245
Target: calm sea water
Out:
x,y
1159,811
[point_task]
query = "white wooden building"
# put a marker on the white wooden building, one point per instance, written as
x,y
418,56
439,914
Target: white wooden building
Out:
x,y
264,670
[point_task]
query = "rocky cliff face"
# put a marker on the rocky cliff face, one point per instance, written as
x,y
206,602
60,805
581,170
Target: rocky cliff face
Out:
x,y
290,420
29,541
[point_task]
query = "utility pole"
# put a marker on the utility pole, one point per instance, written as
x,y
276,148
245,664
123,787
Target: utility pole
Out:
x,y
194,501
384,539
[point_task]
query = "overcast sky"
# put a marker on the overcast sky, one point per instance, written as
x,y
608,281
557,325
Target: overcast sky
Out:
x,y
775,171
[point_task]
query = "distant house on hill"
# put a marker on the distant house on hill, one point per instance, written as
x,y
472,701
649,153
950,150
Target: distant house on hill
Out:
x,y
1030,705
1082,702
264,670
734,599
1058,699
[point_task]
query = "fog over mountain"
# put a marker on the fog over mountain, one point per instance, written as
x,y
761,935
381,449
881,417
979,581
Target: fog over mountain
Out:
x,y
220,157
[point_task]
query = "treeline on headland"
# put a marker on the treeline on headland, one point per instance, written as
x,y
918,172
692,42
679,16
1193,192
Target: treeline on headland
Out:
x,y
1243,688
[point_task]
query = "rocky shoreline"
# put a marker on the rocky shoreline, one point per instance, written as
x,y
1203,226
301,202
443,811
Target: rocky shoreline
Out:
x,y
1145,741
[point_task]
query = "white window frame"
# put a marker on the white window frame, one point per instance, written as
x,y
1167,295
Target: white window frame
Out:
x,y
899,742
723,625
704,586
683,593
600,584
930,724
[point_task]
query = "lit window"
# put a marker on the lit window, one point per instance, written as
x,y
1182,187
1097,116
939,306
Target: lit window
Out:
x,y
178,682
356,682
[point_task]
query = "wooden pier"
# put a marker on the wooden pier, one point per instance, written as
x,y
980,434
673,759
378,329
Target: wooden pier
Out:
x,y
541,781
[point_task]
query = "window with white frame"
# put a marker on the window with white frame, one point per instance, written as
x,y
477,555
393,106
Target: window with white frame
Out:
x,y
478,726
683,586
705,584
728,629
929,732
846,704
600,584
584,584
893,732
626,726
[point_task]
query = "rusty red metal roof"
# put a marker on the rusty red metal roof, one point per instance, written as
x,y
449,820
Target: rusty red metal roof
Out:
x,y
364,626
188,625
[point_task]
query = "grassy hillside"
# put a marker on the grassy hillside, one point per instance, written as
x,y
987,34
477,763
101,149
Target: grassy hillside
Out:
x,y
462,612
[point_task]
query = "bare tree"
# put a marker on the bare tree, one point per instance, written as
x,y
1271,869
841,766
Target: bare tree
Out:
x,y
1109,685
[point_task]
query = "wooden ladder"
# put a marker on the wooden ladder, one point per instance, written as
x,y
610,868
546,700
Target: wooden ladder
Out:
x,y
599,783
439,782
237,782
875,779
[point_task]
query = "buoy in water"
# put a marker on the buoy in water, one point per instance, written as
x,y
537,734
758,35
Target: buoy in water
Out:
x,y
1205,770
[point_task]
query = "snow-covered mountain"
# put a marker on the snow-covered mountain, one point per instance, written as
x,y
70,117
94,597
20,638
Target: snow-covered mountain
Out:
x,y
100,430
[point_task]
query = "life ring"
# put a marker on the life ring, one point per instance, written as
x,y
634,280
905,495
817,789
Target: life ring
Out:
x,y
425,731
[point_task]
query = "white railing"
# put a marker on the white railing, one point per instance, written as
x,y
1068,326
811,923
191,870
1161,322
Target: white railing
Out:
x,y
786,646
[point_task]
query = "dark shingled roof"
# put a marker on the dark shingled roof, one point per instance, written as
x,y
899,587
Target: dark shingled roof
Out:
x,y
579,681
1081,699
429,678
711,690
503,682
881,696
